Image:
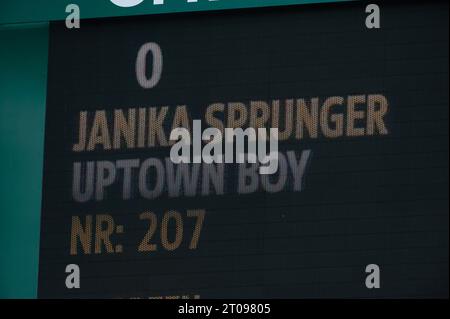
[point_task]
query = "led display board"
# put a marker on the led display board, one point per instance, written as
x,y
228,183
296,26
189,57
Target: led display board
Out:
x,y
362,170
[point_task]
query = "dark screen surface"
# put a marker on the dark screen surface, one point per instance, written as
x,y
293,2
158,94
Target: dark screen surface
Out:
x,y
372,188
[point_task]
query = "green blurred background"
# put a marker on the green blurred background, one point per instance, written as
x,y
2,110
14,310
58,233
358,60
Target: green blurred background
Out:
x,y
23,82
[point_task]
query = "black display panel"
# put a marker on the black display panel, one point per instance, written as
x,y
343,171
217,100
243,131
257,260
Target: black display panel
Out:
x,y
362,176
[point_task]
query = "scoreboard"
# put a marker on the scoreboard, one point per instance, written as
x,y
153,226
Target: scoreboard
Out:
x,y
362,175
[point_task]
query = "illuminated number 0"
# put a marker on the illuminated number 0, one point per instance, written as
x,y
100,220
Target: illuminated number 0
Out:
x,y
178,230
141,65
